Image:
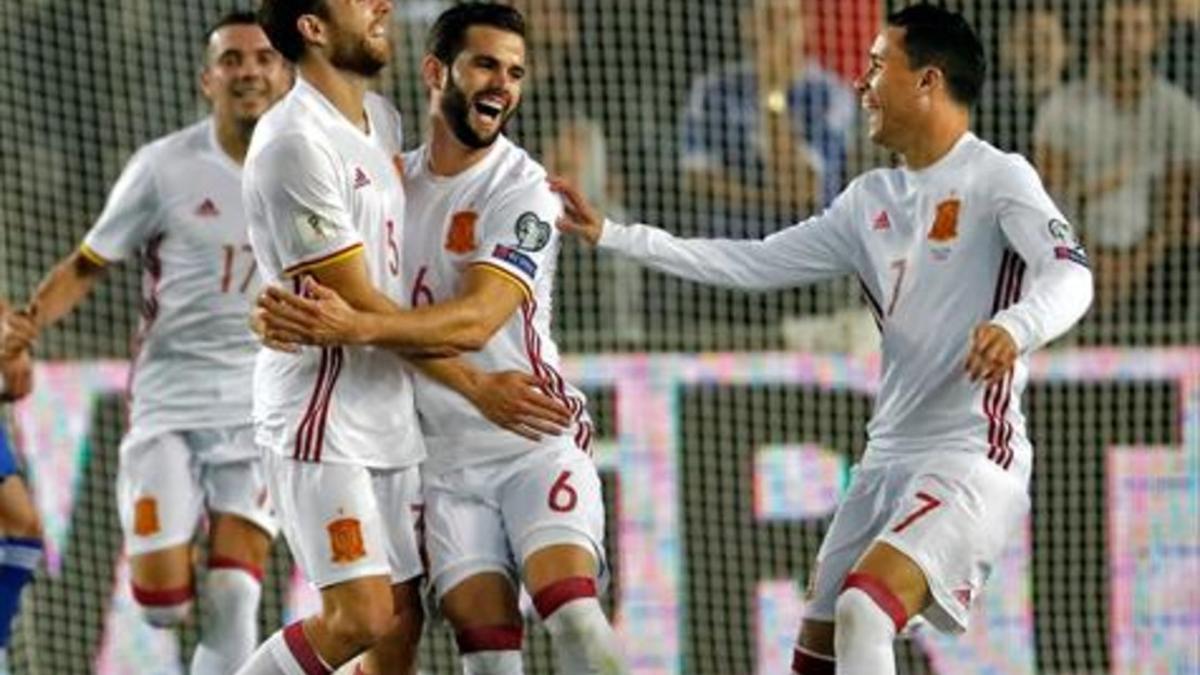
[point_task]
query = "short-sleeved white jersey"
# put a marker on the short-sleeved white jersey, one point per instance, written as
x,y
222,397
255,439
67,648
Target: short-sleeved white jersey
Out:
x,y
178,208
972,238
498,214
317,187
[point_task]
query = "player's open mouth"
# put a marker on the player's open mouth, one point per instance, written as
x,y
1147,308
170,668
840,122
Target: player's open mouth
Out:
x,y
489,107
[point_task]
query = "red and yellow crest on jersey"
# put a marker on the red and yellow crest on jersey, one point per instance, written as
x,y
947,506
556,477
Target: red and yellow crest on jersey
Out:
x,y
461,237
346,540
945,222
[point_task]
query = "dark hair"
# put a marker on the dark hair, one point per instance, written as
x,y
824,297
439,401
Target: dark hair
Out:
x,y
448,35
236,17
936,36
278,19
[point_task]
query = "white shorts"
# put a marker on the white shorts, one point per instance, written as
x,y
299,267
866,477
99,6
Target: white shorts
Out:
x,y
344,521
490,517
167,482
951,513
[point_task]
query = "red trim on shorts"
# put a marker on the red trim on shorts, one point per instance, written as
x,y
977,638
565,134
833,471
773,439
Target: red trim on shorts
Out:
x,y
881,595
167,598
549,599
302,650
224,562
807,663
490,639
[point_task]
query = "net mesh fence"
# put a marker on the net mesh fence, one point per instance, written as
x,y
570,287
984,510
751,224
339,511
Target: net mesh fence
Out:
x,y
750,407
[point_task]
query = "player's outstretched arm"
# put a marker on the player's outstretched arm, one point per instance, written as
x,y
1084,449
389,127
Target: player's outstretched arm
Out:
x,y
67,284
819,248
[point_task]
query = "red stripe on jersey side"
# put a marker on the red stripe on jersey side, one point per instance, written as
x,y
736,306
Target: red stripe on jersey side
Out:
x,y
554,386
336,357
304,431
1000,428
1007,433
876,309
992,394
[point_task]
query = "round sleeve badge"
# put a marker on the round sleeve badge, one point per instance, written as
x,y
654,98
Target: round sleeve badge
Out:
x,y
532,233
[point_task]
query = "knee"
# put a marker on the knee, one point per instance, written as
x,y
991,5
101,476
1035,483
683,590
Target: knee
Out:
x,y
362,625
162,611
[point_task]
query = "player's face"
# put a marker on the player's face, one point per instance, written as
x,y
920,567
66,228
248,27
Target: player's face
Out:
x,y
244,74
889,90
359,35
483,86
1128,36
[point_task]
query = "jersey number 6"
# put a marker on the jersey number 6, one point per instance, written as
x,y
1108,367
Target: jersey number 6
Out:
x,y
562,496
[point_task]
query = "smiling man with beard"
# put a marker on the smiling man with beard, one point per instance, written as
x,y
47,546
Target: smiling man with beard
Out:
x,y
189,450
337,425
480,249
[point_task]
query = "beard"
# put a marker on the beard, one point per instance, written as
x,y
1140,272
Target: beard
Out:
x,y
456,109
356,56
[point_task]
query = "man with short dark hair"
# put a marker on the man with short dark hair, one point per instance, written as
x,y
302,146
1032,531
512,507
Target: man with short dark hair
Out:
x,y
188,456
479,254
337,425
968,266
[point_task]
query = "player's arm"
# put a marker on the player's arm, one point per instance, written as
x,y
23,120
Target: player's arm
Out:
x,y
129,219
1060,289
16,369
819,248
325,316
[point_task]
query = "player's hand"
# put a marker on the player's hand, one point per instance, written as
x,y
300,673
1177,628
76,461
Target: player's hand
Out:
x,y
515,401
318,317
993,353
19,332
18,377
579,217
258,326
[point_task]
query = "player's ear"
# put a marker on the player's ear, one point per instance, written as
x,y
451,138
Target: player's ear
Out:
x,y
433,72
931,79
311,29
206,82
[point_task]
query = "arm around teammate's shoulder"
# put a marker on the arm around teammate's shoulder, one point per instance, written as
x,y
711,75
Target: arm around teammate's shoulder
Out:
x,y
821,247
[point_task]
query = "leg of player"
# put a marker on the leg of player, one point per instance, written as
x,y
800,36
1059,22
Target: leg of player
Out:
x,y
562,581
162,585
813,654
883,591
20,553
231,593
487,624
355,614
396,653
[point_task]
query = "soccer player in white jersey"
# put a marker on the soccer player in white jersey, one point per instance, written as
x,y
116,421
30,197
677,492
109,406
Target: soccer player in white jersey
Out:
x,y
189,450
337,425
480,251
968,266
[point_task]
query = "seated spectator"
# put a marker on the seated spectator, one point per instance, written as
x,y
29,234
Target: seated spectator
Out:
x,y
1031,58
764,139
1120,149
1179,58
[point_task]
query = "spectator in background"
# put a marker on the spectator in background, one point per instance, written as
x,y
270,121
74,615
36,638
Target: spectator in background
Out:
x,y
764,139
1120,149
1179,58
1031,58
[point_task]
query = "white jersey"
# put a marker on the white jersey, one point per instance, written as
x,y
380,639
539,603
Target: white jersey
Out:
x,y
317,188
178,207
972,238
498,214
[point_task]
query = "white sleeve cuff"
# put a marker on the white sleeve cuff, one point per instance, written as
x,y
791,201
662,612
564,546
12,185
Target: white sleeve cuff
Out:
x,y
610,236
1021,333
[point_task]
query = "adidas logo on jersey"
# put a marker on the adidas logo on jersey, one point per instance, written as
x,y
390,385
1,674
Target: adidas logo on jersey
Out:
x,y
207,209
361,179
881,222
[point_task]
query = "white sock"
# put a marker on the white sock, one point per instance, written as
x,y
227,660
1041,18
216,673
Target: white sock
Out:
x,y
584,642
863,635
493,663
286,652
230,631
